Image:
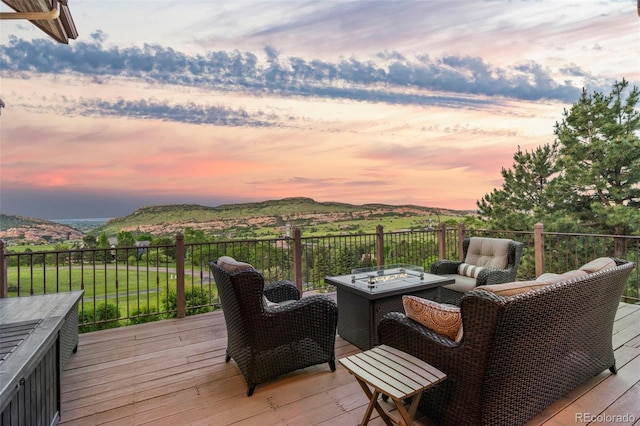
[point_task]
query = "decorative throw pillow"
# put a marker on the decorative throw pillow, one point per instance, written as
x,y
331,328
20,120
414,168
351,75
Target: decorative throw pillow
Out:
x,y
469,270
443,319
229,264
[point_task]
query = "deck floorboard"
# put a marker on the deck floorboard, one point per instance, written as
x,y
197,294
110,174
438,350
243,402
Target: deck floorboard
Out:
x,y
172,373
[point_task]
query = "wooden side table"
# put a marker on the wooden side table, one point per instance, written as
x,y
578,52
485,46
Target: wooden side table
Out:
x,y
394,373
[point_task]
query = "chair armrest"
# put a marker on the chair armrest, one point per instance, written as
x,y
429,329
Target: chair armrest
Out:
x,y
489,276
314,317
279,291
317,304
396,327
397,330
444,266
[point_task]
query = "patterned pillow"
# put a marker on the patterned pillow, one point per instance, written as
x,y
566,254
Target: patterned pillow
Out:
x,y
443,319
468,270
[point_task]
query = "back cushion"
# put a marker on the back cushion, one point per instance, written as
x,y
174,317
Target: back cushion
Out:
x,y
511,289
229,264
488,252
564,277
599,264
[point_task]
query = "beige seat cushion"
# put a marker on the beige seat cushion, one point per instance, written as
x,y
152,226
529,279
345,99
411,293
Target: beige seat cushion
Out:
x,y
463,284
440,318
488,252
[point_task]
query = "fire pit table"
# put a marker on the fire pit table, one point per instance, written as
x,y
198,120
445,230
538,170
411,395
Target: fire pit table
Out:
x,y
367,294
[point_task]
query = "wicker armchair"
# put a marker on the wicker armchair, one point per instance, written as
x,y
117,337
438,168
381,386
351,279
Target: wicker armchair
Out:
x,y
518,353
267,341
498,260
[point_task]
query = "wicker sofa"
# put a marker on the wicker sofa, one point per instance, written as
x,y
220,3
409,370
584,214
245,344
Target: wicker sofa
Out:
x,y
523,344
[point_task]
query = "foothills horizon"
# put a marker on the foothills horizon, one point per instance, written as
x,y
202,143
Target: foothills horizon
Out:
x,y
355,101
105,218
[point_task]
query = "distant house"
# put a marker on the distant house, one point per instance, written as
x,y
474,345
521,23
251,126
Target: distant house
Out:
x,y
143,246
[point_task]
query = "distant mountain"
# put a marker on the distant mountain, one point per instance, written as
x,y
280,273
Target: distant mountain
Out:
x,y
260,219
22,229
300,211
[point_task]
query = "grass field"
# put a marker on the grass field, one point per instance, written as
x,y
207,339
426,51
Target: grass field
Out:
x,y
130,291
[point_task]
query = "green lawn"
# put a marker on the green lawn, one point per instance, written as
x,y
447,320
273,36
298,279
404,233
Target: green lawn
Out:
x,y
98,280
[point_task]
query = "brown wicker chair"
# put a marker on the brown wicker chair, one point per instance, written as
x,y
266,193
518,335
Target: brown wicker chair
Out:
x,y
478,251
266,342
518,353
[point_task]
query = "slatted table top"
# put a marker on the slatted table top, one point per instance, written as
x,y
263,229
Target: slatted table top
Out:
x,y
393,372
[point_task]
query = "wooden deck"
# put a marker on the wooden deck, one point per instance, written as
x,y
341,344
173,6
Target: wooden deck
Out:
x,y
173,373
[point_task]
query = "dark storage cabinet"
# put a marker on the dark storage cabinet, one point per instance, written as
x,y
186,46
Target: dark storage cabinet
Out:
x,y
38,334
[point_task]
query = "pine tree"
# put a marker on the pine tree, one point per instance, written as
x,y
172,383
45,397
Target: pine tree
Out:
x,y
598,186
587,180
522,200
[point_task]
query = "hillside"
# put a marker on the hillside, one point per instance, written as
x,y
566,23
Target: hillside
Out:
x,y
254,218
22,229
250,220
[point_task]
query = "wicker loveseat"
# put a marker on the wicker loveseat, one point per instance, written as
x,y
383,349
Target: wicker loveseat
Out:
x,y
270,329
519,352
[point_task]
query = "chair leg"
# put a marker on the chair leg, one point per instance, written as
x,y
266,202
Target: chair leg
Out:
x,y
332,364
251,389
227,358
613,369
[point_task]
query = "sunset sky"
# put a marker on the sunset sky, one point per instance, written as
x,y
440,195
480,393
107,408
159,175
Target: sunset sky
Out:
x,y
216,102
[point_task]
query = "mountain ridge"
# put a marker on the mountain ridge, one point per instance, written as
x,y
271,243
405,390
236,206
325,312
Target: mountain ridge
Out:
x,y
172,218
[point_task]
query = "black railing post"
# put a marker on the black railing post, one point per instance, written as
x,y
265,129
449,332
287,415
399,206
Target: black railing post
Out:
x,y
380,245
442,241
180,302
538,248
297,258
462,233
3,272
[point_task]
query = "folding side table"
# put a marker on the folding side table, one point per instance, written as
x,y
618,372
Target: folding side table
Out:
x,y
394,373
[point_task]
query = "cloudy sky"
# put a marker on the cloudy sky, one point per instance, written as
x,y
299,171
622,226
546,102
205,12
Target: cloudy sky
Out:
x,y
214,102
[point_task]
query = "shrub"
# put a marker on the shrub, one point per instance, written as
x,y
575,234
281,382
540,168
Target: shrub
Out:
x,y
106,316
195,298
144,314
